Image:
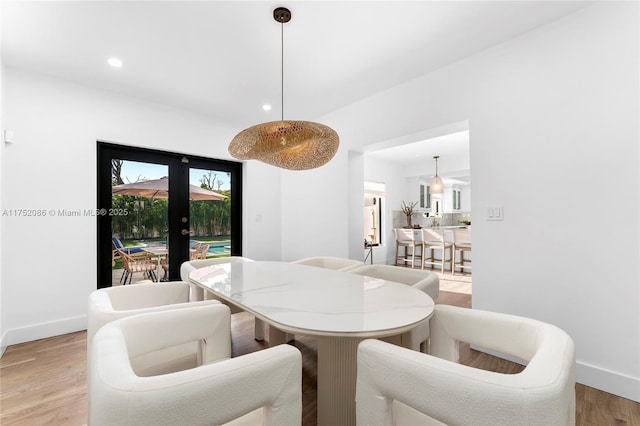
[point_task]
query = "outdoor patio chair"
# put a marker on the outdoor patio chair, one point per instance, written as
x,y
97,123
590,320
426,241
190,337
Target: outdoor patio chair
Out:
x,y
194,250
164,263
202,253
132,265
116,245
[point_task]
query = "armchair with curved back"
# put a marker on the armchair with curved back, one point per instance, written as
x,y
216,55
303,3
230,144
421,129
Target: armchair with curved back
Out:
x,y
187,267
198,294
330,262
262,387
403,387
112,303
428,282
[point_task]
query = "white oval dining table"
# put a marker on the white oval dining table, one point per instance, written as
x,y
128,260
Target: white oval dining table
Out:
x,y
338,308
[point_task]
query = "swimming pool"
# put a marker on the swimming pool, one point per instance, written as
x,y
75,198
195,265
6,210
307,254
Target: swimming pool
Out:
x,y
215,247
219,247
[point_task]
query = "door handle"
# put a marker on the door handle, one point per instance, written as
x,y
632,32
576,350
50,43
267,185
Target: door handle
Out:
x,y
185,232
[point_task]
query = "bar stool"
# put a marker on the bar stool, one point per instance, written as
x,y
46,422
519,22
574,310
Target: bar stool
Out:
x,y
407,239
433,240
461,243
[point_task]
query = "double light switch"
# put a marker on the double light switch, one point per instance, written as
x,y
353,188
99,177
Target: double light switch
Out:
x,y
495,213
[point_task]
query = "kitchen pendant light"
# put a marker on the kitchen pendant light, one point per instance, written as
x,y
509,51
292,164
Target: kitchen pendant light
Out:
x,y
436,186
293,145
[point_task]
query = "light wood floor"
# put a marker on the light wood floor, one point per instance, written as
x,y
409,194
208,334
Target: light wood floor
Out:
x,y
44,382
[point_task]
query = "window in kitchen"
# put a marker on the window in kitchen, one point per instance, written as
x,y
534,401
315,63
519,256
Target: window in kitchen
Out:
x,y
456,199
425,197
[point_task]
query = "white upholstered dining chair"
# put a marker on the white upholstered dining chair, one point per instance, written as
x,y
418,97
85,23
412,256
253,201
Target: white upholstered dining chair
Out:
x,y
329,262
198,293
112,303
425,281
187,267
262,387
422,280
396,386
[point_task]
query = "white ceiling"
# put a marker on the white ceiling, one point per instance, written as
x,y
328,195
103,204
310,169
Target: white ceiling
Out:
x,y
454,144
222,58
417,160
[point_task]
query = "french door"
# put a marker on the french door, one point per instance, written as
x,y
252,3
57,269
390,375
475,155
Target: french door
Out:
x,y
158,209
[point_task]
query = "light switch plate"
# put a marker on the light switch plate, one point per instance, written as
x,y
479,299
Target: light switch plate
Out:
x,y
495,213
8,136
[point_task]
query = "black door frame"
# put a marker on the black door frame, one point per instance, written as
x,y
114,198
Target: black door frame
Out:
x,y
178,165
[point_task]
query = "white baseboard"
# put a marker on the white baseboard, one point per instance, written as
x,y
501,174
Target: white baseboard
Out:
x,y
608,381
592,376
42,331
3,346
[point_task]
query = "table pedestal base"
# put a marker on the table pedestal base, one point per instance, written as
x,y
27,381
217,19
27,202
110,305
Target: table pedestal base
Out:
x,y
337,363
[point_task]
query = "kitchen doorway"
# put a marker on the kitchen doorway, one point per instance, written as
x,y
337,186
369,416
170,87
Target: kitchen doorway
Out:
x,y
406,166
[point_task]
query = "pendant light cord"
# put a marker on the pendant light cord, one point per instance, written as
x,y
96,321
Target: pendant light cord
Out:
x,y
281,70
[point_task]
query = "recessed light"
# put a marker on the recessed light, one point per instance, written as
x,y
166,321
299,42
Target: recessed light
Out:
x,y
115,62
266,107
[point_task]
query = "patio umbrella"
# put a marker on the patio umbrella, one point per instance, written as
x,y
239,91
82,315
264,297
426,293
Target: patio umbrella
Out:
x,y
159,188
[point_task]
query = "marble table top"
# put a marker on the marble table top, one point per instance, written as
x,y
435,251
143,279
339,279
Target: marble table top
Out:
x,y
316,301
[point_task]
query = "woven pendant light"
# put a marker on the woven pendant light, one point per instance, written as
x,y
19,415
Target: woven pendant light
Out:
x,y
293,145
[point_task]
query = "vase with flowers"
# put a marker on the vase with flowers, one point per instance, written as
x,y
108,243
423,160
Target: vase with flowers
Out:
x,y
407,209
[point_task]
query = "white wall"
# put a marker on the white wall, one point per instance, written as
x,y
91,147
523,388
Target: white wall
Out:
x,y
2,313
315,217
48,263
547,111
355,240
261,208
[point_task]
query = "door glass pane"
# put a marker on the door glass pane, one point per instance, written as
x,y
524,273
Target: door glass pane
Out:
x,y
139,221
210,213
